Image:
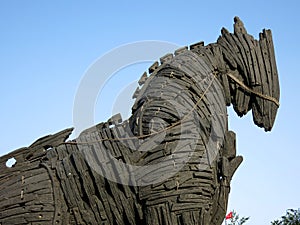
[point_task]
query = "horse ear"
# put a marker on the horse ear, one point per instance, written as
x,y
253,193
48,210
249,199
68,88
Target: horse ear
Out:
x,y
239,26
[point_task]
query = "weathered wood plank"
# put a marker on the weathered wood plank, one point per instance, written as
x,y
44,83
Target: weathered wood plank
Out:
x,y
153,67
236,50
227,53
275,92
257,103
267,85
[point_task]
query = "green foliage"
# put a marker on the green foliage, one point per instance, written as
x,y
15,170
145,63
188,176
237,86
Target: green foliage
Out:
x,y
236,220
292,217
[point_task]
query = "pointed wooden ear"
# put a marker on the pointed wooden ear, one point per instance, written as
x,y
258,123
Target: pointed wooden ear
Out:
x,y
239,26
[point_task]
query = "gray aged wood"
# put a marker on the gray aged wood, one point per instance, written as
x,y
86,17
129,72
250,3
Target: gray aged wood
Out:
x,y
55,181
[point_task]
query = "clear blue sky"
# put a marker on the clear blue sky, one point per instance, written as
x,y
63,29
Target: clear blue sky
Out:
x,y
46,47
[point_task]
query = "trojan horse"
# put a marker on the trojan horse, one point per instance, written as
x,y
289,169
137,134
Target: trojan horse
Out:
x,y
170,163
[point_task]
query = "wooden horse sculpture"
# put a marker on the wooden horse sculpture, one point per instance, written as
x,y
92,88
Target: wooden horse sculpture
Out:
x,y
170,163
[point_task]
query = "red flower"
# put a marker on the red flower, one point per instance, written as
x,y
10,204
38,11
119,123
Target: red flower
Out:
x,y
229,216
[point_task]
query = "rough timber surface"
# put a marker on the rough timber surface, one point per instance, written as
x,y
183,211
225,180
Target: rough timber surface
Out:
x,y
86,181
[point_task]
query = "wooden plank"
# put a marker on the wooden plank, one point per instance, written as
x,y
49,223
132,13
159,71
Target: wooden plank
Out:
x,y
226,88
257,85
253,62
102,196
69,186
181,50
247,61
136,93
257,103
246,73
185,207
143,78
115,149
229,145
39,207
61,152
275,89
49,141
209,54
153,67
166,58
16,219
275,92
151,195
227,53
22,180
197,45
115,119
171,72
236,50
267,85
217,53
239,26
206,55
242,99
30,199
